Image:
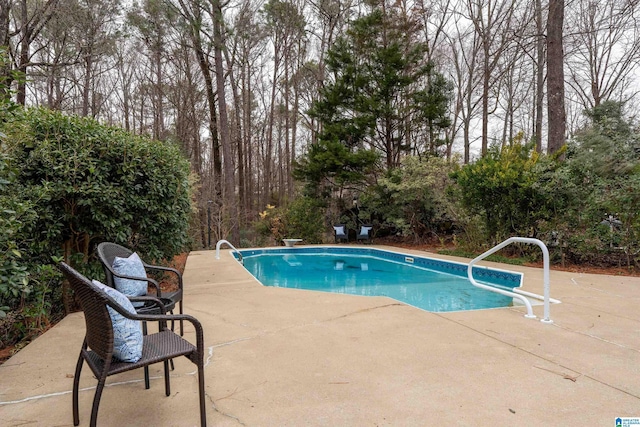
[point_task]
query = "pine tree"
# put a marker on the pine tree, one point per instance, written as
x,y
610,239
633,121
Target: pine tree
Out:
x,y
382,95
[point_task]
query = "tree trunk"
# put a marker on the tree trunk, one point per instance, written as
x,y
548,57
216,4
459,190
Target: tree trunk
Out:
x,y
30,28
250,202
286,167
25,34
5,9
158,117
485,106
467,141
539,76
237,109
5,63
266,176
86,90
195,22
294,128
555,76
225,139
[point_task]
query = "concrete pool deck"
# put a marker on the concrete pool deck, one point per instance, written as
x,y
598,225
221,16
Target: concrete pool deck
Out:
x,y
285,357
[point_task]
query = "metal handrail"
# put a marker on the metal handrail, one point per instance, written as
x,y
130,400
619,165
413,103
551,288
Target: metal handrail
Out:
x,y
222,242
545,255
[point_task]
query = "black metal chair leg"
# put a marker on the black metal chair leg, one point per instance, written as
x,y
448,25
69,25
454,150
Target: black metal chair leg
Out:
x,y
146,368
203,409
167,385
76,384
181,323
96,402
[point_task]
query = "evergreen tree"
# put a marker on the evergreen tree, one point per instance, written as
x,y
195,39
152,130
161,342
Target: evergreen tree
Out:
x,y
382,95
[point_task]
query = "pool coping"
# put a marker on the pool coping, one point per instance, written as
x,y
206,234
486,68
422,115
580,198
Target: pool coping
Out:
x,y
453,267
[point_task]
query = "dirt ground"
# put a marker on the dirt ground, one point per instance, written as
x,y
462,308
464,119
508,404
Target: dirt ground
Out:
x,y
179,261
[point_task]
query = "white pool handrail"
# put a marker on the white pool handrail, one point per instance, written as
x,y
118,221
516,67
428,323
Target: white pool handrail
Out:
x,y
545,255
228,243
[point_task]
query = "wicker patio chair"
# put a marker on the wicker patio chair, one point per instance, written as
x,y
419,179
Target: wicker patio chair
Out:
x,y
107,253
340,233
98,346
365,233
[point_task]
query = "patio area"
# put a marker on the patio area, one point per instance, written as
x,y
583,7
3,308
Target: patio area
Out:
x,y
285,357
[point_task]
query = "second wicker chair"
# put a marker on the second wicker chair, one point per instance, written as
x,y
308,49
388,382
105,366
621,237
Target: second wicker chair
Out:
x,y
107,253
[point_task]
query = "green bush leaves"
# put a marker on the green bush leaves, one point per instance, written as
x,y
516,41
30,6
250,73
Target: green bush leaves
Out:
x,y
68,183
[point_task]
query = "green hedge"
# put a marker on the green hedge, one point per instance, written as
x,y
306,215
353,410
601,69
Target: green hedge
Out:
x,y
69,183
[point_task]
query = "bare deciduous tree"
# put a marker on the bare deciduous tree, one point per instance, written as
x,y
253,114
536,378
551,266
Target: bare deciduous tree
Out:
x,y
30,18
603,48
494,24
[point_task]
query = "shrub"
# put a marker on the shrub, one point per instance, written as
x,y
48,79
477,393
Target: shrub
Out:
x,y
502,189
14,278
68,183
304,219
411,200
95,182
599,181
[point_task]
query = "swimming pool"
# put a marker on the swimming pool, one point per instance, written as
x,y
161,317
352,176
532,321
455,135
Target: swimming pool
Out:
x,y
426,283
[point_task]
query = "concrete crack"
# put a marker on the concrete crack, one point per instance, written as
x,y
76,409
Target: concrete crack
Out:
x,y
224,344
62,393
364,310
224,414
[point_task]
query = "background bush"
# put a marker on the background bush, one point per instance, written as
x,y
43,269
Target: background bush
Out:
x,y
410,200
600,180
501,189
584,204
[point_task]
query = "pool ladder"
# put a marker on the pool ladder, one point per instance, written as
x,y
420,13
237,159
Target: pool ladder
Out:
x,y
228,243
519,294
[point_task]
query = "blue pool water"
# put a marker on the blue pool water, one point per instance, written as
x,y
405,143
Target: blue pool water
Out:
x,y
429,284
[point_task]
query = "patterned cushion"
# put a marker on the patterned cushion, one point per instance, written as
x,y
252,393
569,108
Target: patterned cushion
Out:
x,y
131,266
339,230
127,333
